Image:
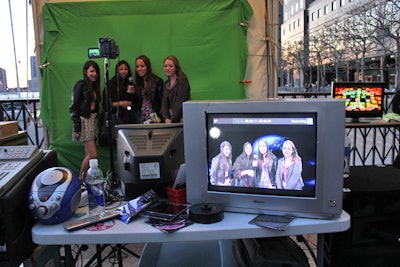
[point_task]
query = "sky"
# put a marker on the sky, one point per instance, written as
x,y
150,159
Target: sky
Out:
x,y
24,43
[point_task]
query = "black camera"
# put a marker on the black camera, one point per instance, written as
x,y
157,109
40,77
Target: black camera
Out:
x,y
108,48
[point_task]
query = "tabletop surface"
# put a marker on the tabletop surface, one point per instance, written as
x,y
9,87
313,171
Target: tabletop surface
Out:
x,y
233,226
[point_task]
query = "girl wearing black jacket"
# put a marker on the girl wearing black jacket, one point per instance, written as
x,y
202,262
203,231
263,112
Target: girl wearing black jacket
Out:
x,y
83,111
149,90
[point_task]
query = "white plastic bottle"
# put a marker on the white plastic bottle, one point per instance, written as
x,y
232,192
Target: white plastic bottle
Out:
x,y
95,188
347,151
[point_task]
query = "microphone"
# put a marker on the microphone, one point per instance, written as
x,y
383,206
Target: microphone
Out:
x,y
255,162
130,81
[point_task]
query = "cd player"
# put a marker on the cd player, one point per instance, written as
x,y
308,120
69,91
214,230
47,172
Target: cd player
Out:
x,y
55,195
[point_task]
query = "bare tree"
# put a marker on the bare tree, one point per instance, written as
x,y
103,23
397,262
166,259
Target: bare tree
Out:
x,y
335,45
384,16
296,56
288,60
360,38
318,54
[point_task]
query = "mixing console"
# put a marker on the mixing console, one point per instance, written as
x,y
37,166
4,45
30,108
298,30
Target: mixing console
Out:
x,y
17,152
15,161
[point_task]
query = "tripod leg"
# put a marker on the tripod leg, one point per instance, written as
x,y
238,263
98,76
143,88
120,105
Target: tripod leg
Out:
x,y
99,249
130,251
69,259
121,248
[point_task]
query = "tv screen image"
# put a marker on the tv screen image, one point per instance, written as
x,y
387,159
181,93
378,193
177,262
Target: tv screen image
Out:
x,y
295,156
248,166
361,99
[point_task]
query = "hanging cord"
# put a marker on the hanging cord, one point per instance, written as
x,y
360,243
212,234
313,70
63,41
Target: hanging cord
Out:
x,y
15,53
27,56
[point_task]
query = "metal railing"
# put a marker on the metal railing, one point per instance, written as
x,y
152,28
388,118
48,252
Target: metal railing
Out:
x,y
387,97
373,143
26,112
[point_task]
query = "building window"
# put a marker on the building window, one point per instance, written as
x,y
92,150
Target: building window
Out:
x,y
334,5
326,9
313,16
319,13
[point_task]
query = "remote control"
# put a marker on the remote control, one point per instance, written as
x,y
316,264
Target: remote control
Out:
x,y
135,206
101,217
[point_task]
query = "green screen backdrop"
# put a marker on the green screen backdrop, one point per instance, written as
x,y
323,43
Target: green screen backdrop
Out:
x,y
207,36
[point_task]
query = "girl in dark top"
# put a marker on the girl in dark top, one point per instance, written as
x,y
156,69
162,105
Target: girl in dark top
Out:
x,y
221,165
83,111
176,91
243,168
149,90
120,94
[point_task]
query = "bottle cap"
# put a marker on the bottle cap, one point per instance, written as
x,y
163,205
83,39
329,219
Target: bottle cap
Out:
x,y
93,163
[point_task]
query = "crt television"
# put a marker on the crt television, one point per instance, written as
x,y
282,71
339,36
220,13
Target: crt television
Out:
x,y
312,125
149,156
362,99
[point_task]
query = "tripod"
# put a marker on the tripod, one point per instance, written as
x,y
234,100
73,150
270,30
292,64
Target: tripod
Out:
x,y
116,251
111,175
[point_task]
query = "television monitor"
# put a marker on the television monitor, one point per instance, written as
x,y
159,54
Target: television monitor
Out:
x,y
362,100
314,126
149,156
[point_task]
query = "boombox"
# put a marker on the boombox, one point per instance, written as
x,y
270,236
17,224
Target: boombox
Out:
x,y
55,195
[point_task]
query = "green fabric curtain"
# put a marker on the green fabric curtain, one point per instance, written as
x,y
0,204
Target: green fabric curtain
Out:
x,y
205,35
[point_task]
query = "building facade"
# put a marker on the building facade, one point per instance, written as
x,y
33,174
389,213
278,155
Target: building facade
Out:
x,y
33,83
3,80
304,21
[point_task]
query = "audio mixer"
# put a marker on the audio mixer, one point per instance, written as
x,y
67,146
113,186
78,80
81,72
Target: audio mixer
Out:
x,y
15,161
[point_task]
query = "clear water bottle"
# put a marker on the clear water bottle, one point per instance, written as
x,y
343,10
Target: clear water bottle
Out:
x,y
347,151
95,186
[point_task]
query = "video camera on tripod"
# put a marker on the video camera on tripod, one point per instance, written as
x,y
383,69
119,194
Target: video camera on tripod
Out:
x,y
107,48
